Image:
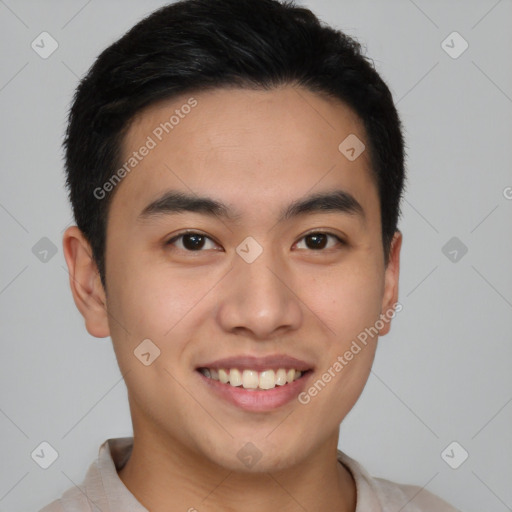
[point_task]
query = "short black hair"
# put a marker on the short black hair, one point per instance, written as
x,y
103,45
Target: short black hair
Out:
x,y
197,45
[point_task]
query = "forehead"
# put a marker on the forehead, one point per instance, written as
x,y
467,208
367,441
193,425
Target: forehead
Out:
x,y
251,148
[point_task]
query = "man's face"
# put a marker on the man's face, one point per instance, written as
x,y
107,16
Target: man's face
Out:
x,y
256,287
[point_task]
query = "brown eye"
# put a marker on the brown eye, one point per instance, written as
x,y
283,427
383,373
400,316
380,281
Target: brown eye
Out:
x,y
319,240
190,241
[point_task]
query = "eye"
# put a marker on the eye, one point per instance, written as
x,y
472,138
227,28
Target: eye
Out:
x,y
190,241
318,240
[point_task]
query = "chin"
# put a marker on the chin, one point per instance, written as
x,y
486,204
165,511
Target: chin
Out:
x,y
256,453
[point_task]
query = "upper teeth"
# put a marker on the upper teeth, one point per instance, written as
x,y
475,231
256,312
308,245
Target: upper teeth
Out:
x,y
251,379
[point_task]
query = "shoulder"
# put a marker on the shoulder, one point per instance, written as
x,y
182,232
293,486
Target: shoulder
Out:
x,y
54,506
101,485
378,494
72,500
78,498
410,497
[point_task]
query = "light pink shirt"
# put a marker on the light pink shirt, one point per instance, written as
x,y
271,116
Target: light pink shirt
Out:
x,y
103,490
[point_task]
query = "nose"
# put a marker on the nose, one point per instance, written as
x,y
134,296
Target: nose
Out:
x,y
257,299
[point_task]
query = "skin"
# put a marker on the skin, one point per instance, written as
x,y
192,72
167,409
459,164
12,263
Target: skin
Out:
x,y
256,151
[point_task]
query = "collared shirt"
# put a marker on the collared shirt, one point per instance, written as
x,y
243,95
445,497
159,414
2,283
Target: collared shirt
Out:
x,y
103,490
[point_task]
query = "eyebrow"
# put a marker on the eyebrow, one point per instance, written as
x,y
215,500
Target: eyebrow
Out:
x,y
173,202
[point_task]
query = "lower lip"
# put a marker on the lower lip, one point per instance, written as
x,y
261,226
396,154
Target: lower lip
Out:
x,y
257,400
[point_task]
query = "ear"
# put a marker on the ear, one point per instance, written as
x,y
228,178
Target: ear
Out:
x,y
85,282
391,275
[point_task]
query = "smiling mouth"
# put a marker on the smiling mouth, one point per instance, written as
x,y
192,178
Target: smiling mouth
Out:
x,y
252,379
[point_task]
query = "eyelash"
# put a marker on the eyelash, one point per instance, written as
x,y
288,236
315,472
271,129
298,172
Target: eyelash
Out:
x,y
181,235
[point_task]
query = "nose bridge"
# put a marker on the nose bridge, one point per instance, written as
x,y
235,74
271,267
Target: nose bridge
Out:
x,y
261,279
257,296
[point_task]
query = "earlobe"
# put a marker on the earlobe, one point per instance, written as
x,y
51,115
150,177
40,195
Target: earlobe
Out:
x,y
85,282
391,277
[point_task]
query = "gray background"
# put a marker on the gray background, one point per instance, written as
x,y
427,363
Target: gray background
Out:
x,y
441,375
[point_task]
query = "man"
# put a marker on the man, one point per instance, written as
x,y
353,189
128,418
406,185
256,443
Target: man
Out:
x,y
235,170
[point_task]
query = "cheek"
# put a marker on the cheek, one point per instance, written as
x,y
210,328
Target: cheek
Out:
x,y
348,302
156,302
346,298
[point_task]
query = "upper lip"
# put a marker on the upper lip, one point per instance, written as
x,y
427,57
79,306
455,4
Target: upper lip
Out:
x,y
271,362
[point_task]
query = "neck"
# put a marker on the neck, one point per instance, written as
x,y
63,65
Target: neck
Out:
x,y
162,471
